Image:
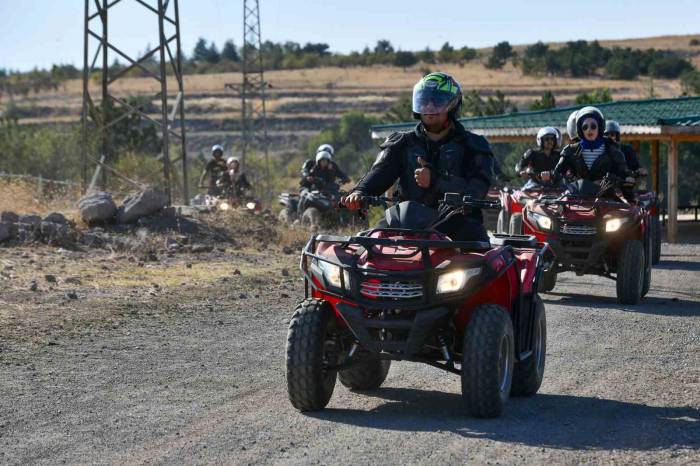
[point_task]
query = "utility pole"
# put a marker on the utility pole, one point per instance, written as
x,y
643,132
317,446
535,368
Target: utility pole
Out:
x,y
252,89
97,115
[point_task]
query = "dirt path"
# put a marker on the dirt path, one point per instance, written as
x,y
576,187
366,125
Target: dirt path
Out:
x,y
131,372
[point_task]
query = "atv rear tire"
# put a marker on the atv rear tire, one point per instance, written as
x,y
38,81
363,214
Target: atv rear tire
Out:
x,y
367,375
528,374
656,240
548,281
487,361
646,282
311,218
502,223
630,272
515,226
309,384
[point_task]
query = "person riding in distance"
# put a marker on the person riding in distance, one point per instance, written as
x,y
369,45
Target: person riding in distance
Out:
x,y
438,156
543,159
321,173
234,177
594,155
214,168
612,130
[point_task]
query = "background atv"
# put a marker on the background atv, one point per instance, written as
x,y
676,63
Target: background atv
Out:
x,y
594,235
407,292
510,218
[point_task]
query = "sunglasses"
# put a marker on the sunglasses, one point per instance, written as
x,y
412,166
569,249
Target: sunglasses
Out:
x,y
592,127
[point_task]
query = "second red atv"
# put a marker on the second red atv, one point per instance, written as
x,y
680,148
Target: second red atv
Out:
x,y
592,229
409,293
510,218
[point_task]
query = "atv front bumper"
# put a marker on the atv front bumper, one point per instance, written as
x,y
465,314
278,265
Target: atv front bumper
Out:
x,y
399,336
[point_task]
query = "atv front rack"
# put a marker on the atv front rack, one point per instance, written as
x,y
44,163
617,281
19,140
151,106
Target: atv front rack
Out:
x,y
426,277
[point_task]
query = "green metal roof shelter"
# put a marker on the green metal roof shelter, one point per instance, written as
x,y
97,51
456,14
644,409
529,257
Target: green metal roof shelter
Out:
x,y
653,120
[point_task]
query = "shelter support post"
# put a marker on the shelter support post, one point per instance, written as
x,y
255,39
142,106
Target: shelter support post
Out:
x,y
672,192
655,167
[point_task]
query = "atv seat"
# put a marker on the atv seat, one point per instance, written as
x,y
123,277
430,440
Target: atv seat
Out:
x,y
518,241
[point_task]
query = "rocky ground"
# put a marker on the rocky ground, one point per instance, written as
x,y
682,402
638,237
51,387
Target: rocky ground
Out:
x,y
105,358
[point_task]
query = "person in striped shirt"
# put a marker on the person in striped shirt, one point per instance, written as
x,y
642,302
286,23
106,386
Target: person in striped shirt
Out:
x,y
595,155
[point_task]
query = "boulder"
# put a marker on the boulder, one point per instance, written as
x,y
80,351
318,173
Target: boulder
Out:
x,y
31,220
5,231
97,207
57,234
142,204
9,217
56,217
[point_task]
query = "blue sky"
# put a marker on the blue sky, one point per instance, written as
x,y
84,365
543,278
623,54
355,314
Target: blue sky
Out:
x,y
42,32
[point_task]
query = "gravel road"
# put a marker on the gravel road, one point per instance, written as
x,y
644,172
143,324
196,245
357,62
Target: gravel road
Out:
x,y
173,372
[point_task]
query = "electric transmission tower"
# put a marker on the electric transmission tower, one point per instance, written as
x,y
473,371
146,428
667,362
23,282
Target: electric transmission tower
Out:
x,y
252,88
98,113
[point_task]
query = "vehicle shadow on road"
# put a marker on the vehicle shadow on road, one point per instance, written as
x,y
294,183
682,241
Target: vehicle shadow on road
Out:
x,y
678,265
546,420
649,305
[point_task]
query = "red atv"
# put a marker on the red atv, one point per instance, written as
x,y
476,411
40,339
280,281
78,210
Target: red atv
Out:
x,y
409,293
593,234
510,218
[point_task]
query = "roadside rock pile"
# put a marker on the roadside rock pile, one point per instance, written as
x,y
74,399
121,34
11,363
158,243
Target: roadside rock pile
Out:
x,y
139,224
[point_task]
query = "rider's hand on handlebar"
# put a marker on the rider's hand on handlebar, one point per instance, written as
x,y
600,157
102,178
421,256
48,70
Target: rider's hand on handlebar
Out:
x,y
546,176
629,181
525,174
352,201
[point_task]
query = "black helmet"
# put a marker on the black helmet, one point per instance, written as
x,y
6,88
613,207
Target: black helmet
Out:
x,y
435,93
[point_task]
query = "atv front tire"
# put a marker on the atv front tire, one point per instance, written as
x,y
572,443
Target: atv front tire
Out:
x,y
309,384
630,272
548,281
367,375
528,374
311,218
515,226
487,361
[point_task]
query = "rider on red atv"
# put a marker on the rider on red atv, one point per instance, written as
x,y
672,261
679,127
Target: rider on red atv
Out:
x,y
647,199
437,157
532,165
594,155
322,172
542,159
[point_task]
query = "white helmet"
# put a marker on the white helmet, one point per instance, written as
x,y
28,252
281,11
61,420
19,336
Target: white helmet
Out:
x,y
230,160
326,147
571,125
324,154
591,112
216,147
548,131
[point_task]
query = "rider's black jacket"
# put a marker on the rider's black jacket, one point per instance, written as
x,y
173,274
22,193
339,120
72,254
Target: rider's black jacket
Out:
x,y
538,161
610,161
462,162
630,157
323,178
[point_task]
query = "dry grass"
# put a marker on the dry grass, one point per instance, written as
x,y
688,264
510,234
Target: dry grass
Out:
x,y
23,197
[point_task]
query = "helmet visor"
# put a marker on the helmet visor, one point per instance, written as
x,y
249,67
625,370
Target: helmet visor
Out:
x,y
428,99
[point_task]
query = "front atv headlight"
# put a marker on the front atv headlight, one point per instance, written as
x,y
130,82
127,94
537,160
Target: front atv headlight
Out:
x,y
224,206
250,205
332,274
455,280
614,224
542,221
